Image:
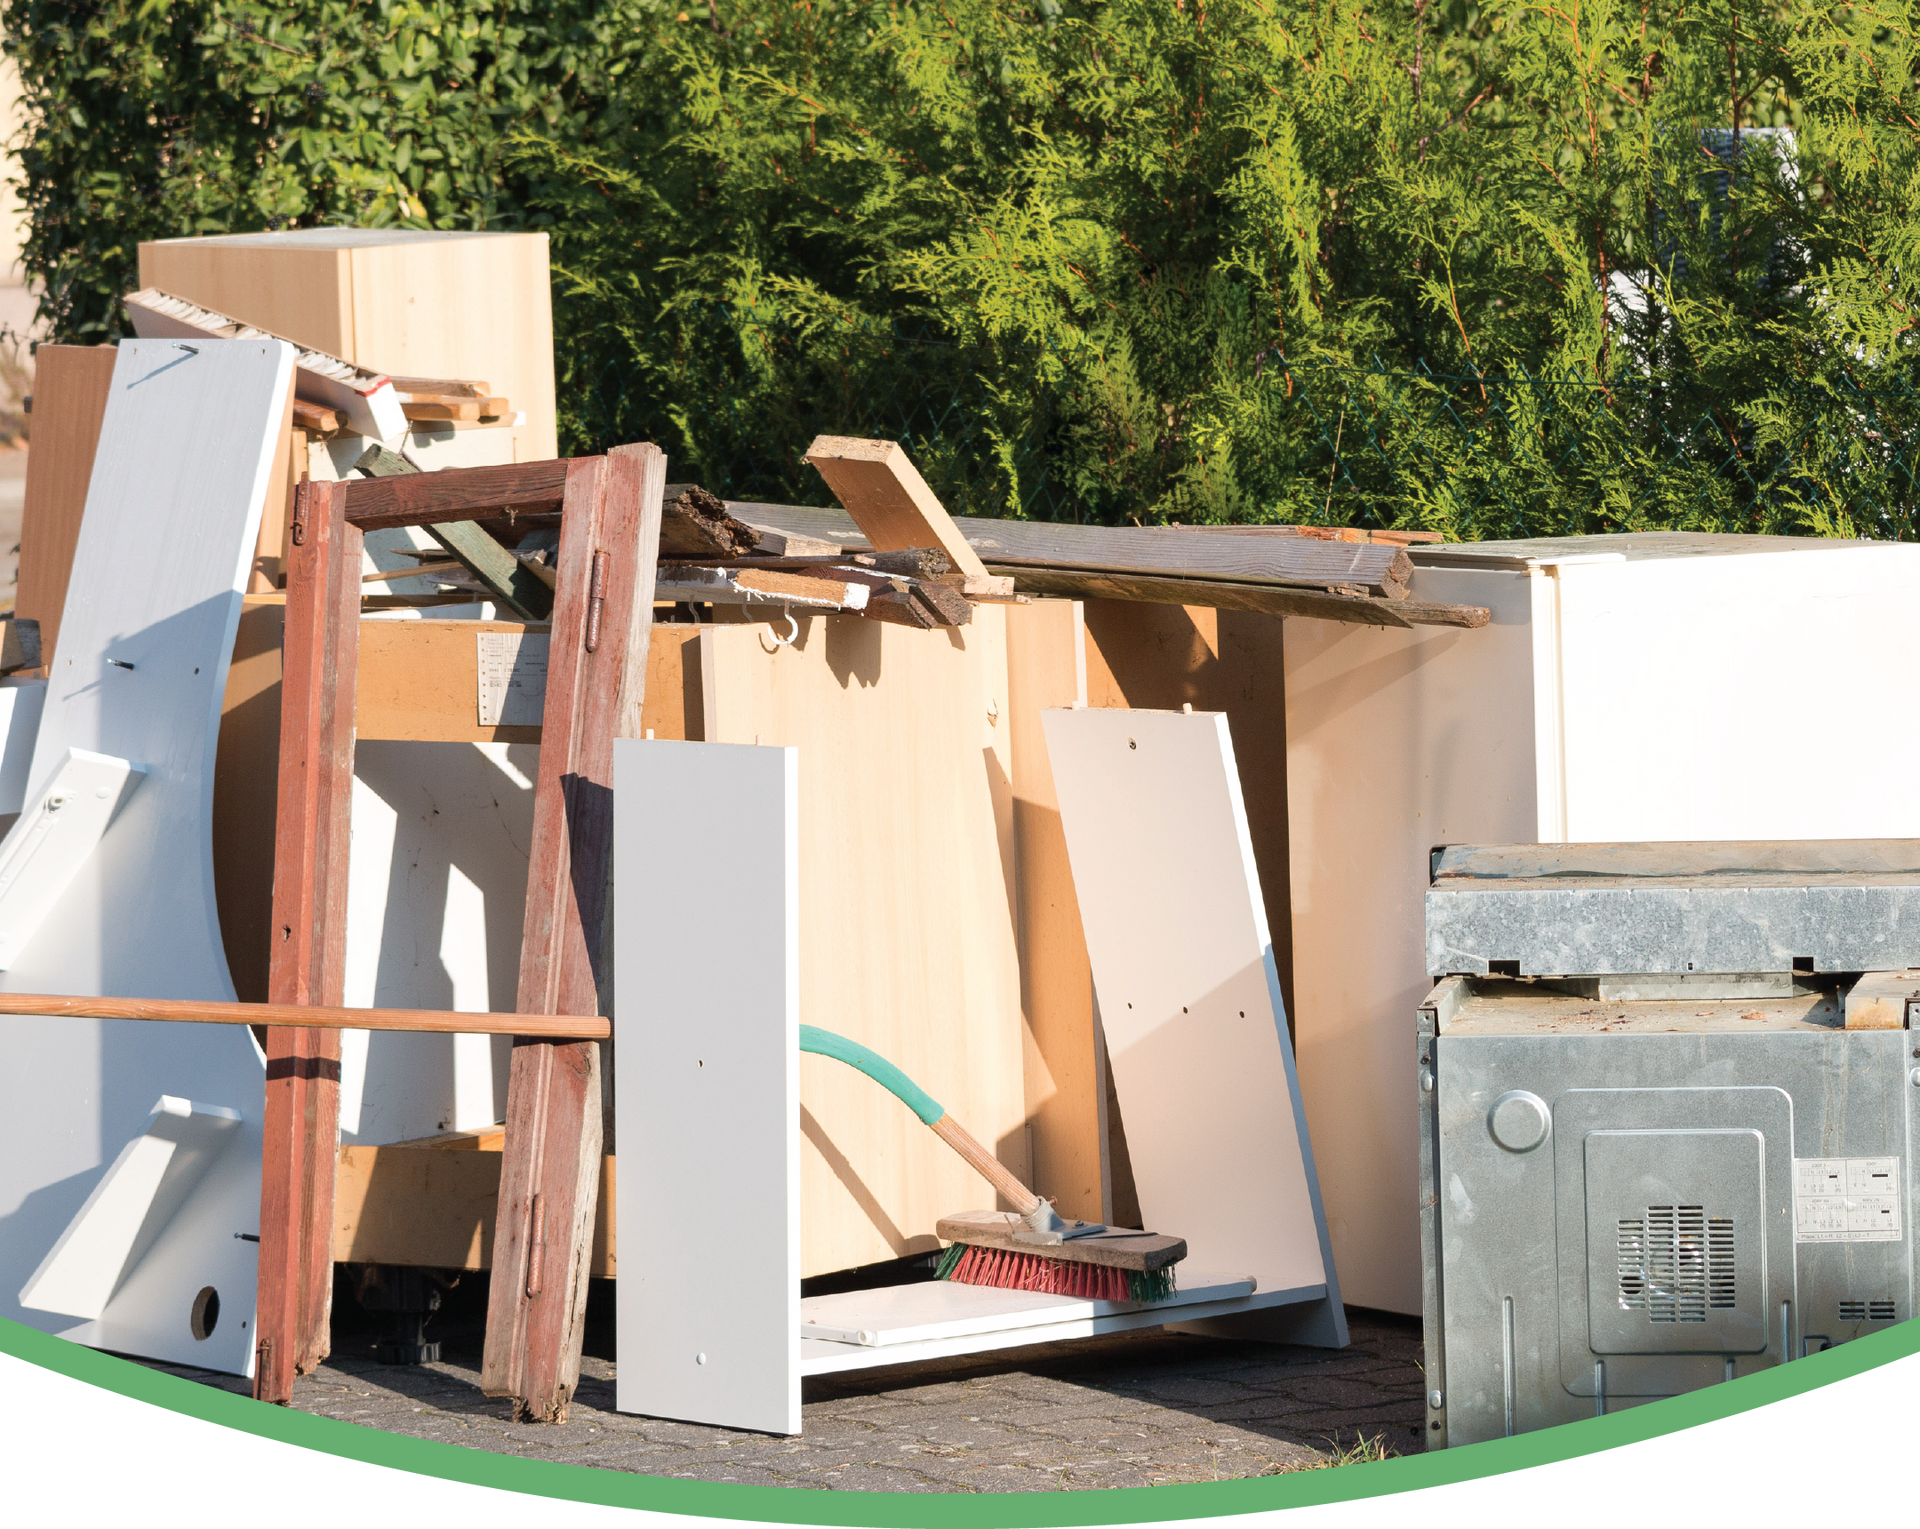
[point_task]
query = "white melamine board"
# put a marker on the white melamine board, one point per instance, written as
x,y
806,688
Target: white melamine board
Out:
x,y
436,898
1396,741
130,1206
935,1309
1682,680
64,821
1189,997
818,1356
173,510
707,973
21,702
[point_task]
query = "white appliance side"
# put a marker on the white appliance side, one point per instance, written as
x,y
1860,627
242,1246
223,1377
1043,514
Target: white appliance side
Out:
x,y
1397,741
173,511
1712,697
707,1071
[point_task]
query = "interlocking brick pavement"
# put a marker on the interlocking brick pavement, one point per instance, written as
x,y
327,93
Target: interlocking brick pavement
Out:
x,y
1132,1409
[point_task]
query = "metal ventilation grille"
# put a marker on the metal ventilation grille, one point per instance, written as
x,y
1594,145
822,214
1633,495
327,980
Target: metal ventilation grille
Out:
x,y
1676,1263
1853,1311
1866,1311
1880,1311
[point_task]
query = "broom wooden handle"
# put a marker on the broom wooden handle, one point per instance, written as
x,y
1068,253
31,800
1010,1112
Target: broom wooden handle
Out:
x,y
950,1131
558,1027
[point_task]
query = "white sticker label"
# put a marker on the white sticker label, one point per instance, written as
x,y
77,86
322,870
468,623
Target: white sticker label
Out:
x,y
1846,1199
513,678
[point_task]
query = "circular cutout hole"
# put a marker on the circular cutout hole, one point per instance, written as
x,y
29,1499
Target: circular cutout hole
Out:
x,y
206,1313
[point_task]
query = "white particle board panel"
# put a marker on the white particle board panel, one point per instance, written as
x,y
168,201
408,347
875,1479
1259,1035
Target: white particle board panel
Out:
x,y
707,1063
1189,997
130,1206
173,507
818,1356
436,897
934,1309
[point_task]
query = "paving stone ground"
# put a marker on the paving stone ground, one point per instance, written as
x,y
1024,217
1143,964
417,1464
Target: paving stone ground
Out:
x,y
1127,1410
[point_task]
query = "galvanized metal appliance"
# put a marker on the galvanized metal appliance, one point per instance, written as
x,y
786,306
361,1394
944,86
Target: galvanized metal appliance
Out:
x,y
1668,1118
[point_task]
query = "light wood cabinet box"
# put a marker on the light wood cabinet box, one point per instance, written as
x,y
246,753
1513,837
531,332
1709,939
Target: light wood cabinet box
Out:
x,y
415,303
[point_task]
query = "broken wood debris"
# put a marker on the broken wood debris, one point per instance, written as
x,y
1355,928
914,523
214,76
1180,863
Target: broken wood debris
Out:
x,y
438,399
366,400
493,569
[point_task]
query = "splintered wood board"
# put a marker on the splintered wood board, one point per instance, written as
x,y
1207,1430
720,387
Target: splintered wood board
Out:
x,y
1189,996
173,511
906,907
420,303
708,1078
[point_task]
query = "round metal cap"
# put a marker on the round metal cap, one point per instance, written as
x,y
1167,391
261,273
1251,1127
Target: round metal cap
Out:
x,y
1519,1121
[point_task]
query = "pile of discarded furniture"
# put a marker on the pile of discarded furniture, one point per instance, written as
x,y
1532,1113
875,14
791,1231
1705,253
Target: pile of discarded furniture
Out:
x,y
937,884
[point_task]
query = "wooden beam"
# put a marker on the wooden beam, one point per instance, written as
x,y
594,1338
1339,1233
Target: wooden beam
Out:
x,y
458,493
308,961
1268,599
505,580
888,499
410,1021
596,677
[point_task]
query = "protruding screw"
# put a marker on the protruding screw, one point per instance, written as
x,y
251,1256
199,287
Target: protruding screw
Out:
x,y
1436,1399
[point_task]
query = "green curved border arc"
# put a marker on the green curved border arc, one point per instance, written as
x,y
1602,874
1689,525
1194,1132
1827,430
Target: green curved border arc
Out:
x,y
954,1510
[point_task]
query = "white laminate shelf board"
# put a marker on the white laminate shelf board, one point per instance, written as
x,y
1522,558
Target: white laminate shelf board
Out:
x,y
941,1308
818,1356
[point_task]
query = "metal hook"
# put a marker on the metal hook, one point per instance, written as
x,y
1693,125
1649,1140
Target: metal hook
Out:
x,y
793,629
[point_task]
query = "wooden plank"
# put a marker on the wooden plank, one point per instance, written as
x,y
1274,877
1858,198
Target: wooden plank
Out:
x,y
1065,1070
308,961
1013,546
415,1021
458,493
1325,534
719,1100
1190,996
596,676
514,586
417,1204
69,397
1878,1001
906,770
1265,599
888,499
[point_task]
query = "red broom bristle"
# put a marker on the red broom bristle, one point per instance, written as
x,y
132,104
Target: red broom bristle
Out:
x,y
1003,1269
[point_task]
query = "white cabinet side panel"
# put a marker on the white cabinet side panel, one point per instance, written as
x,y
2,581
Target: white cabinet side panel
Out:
x,y
1189,997
1396,742
1703,692
173,511
436,897
707,1062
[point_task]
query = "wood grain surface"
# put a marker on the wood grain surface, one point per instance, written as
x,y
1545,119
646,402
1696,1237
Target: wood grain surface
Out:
x,y
425,1021
458,493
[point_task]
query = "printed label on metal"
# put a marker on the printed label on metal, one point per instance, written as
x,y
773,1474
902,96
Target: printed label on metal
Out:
x,y
1846,1199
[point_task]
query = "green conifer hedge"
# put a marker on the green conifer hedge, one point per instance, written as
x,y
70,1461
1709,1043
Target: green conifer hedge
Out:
x,y
1498,269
